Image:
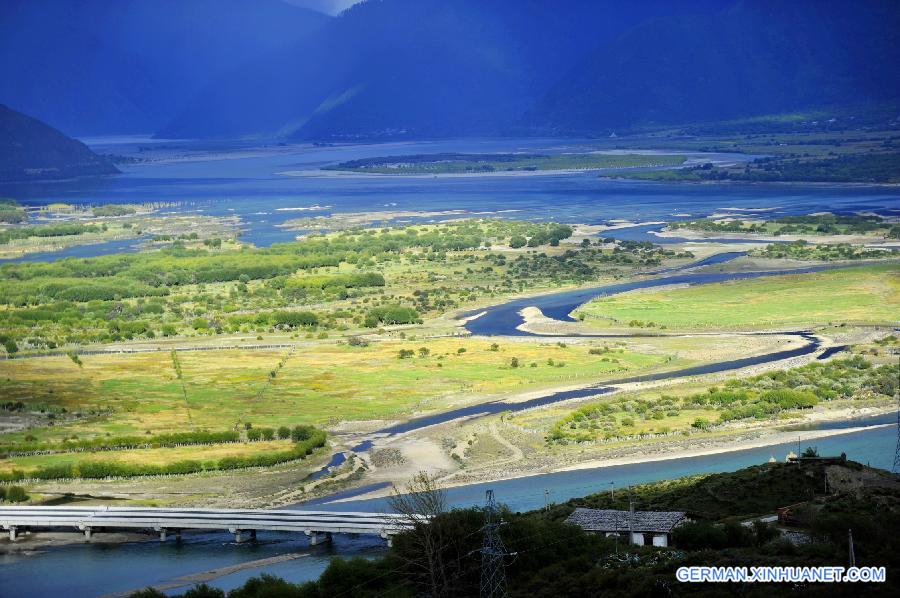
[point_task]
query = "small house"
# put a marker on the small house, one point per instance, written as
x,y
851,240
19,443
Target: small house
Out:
x,y
651,528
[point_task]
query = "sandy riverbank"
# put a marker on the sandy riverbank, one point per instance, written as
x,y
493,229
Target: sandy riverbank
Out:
x,y
694,235
211,574
654,452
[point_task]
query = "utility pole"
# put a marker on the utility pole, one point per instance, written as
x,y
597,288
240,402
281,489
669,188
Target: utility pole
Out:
x,y
630,516
616,535
493,573
852,554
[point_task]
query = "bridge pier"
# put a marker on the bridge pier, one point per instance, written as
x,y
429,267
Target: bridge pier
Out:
x,y
239,535
162,533
389,538
88,532
12,533
316,538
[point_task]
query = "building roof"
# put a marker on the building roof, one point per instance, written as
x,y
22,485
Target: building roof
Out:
x,y
609,520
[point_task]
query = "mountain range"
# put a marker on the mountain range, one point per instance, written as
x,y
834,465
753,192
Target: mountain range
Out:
x,y
439,68
127,66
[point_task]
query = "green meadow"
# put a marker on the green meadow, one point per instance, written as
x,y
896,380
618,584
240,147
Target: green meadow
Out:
x,y
866,295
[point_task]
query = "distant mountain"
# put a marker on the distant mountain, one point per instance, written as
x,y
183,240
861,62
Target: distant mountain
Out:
x,y
437,68
755,57
414,68
32,150
116,66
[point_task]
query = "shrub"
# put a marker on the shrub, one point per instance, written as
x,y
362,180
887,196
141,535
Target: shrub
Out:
x,y
300,433
16,494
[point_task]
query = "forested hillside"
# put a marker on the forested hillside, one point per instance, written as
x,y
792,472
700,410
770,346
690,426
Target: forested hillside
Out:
x,y
31,150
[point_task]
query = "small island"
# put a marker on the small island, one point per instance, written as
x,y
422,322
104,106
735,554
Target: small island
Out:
x,y
457,163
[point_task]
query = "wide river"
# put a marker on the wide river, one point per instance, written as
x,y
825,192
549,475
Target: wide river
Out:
x,y
248,183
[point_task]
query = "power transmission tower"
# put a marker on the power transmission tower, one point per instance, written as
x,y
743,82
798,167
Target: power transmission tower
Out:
x,y
493,573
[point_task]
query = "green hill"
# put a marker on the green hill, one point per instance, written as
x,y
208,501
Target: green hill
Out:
x,y
33,150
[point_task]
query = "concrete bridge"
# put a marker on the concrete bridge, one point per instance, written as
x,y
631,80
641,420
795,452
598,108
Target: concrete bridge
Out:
x,y
243,523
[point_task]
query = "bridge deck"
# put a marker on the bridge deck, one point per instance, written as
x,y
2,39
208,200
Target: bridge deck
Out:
x,y
233,520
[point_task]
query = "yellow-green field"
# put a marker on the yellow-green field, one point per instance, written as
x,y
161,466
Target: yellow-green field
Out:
x,y
158,456
853,295
320,383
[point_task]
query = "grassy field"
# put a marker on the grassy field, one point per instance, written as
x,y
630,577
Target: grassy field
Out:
x,y
160,456
318,384
857,295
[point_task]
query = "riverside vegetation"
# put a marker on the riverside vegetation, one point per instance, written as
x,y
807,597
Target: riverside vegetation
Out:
x,y
455,163
170,411
348,279
764,397
812,224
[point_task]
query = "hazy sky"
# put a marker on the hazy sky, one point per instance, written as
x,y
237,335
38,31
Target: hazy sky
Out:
x,y
331,7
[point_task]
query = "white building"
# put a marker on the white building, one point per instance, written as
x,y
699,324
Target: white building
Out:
x,y
646,527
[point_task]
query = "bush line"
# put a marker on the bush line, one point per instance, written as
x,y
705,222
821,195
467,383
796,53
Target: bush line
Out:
x,y
307,439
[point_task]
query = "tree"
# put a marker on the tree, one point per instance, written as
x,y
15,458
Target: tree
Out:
x,y
204,591
517,241
418,502
294,319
